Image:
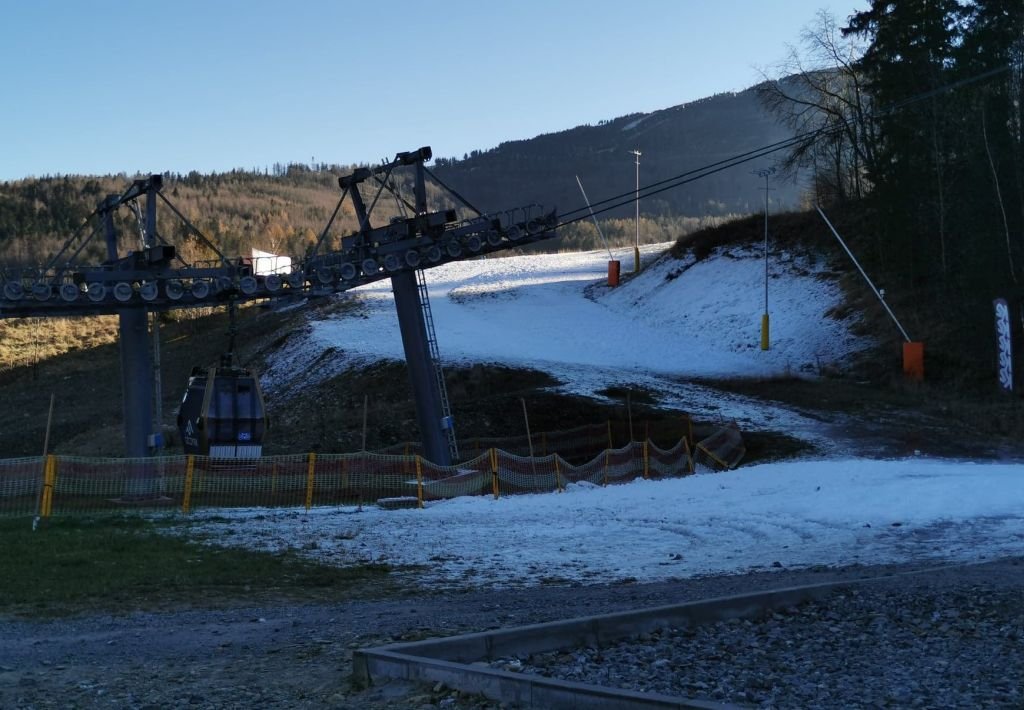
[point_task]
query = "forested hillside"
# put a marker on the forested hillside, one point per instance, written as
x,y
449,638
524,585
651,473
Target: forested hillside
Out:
x,y
913,117
284,208
671,141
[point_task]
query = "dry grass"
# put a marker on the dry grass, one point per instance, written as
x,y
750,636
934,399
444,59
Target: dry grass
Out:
x,y
29,341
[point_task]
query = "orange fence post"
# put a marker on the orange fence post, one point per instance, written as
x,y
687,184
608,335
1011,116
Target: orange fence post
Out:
x,y
309,479
419,482
186,498
494,472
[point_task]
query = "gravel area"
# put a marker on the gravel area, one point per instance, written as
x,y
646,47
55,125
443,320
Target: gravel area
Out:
x,y
283,655
862,647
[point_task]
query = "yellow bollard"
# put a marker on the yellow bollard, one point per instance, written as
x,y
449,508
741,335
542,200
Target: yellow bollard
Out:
x,y
186,498
309,480
764,331
49,480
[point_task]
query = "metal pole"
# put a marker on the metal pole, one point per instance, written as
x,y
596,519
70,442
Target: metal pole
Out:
x,y
46,451
862,273
136,370
425,388
158,395
366,405
599,232
636,244
766,242
765,320
529,439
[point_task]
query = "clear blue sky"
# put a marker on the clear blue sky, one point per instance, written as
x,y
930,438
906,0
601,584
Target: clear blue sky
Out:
x,y
105,87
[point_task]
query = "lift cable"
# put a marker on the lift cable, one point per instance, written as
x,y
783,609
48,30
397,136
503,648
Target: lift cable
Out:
x,y
678,181
195,230
67,244
133,205
403,204
459,197
327,228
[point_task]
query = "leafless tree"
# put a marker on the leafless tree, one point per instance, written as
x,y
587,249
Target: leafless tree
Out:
x,y
818,92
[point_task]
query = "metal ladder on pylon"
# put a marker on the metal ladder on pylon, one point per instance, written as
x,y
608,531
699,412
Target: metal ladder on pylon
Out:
x,y
435,357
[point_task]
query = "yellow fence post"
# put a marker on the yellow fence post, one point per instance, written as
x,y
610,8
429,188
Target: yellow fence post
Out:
x,y
494,472
419,482
49,479
186,496
689,455
309,480
558,476
647,466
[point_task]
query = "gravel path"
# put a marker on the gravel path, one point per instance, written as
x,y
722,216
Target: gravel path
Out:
x,y
299,656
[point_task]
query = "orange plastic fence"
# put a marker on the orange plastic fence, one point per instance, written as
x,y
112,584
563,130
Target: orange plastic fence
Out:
x,y
578,444
67,485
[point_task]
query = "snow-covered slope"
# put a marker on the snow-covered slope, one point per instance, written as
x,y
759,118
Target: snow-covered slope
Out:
x,y
555,312
673,321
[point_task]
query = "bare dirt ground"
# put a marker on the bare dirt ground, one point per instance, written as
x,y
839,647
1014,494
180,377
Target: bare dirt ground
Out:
x,y
282,655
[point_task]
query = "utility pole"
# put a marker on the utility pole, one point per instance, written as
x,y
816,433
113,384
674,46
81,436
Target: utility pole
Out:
x,y
765,173
636,244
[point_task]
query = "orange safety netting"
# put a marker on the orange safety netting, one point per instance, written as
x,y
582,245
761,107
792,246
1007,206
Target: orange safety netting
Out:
x,y
64,485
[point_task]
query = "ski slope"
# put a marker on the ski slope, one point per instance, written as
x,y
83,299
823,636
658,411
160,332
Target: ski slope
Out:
x,y
676,320
554,312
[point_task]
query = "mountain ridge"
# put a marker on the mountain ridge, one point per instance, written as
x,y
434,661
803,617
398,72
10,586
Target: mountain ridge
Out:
x,y
284,210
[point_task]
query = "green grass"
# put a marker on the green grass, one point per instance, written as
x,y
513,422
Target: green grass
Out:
x,y
125,563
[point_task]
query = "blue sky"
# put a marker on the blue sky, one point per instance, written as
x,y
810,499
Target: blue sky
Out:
x,y
104,87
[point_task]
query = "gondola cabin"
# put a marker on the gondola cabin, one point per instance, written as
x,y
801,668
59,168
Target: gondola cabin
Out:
x,y
222,414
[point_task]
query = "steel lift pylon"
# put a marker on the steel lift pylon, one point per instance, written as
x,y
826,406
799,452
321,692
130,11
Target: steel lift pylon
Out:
x,y
155,278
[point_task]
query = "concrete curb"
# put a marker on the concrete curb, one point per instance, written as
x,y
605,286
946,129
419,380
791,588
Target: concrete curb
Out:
x,y
453,660
448,659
